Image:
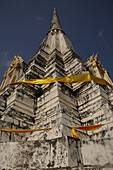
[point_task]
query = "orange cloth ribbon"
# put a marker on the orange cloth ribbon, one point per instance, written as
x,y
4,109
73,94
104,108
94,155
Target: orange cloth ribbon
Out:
x,y
86,128
23,130
74,134
89,128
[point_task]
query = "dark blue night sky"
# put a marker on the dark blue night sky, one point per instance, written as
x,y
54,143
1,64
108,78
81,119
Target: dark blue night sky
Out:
x,y
87,23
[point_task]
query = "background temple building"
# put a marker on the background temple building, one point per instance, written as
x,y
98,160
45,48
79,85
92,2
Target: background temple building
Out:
x,y
59,106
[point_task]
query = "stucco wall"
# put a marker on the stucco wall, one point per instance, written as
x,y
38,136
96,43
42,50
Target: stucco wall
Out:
x,y
34,154
61,153
98,153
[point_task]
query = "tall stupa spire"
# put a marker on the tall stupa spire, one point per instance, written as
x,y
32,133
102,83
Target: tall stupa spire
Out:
x,y
55,24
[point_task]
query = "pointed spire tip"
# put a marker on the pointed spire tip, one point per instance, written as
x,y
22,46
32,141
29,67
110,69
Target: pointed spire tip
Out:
x,y
54,10
55,24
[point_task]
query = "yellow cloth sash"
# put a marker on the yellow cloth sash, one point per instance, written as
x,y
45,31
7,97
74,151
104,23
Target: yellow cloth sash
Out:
x,y
23,130
74,134
86,128
80,78
89,128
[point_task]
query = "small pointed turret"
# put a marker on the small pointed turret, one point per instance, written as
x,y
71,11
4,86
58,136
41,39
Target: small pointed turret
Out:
x,y
55,24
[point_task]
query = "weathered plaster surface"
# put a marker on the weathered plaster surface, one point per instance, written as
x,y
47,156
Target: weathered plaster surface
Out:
x,y
34,154
98,153
61,153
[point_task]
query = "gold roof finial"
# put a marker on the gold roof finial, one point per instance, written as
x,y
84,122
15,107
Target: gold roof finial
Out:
x,y
15,66
91,57
96,56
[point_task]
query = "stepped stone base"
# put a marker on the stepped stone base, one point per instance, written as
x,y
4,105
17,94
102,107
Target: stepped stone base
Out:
x,y
61,153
